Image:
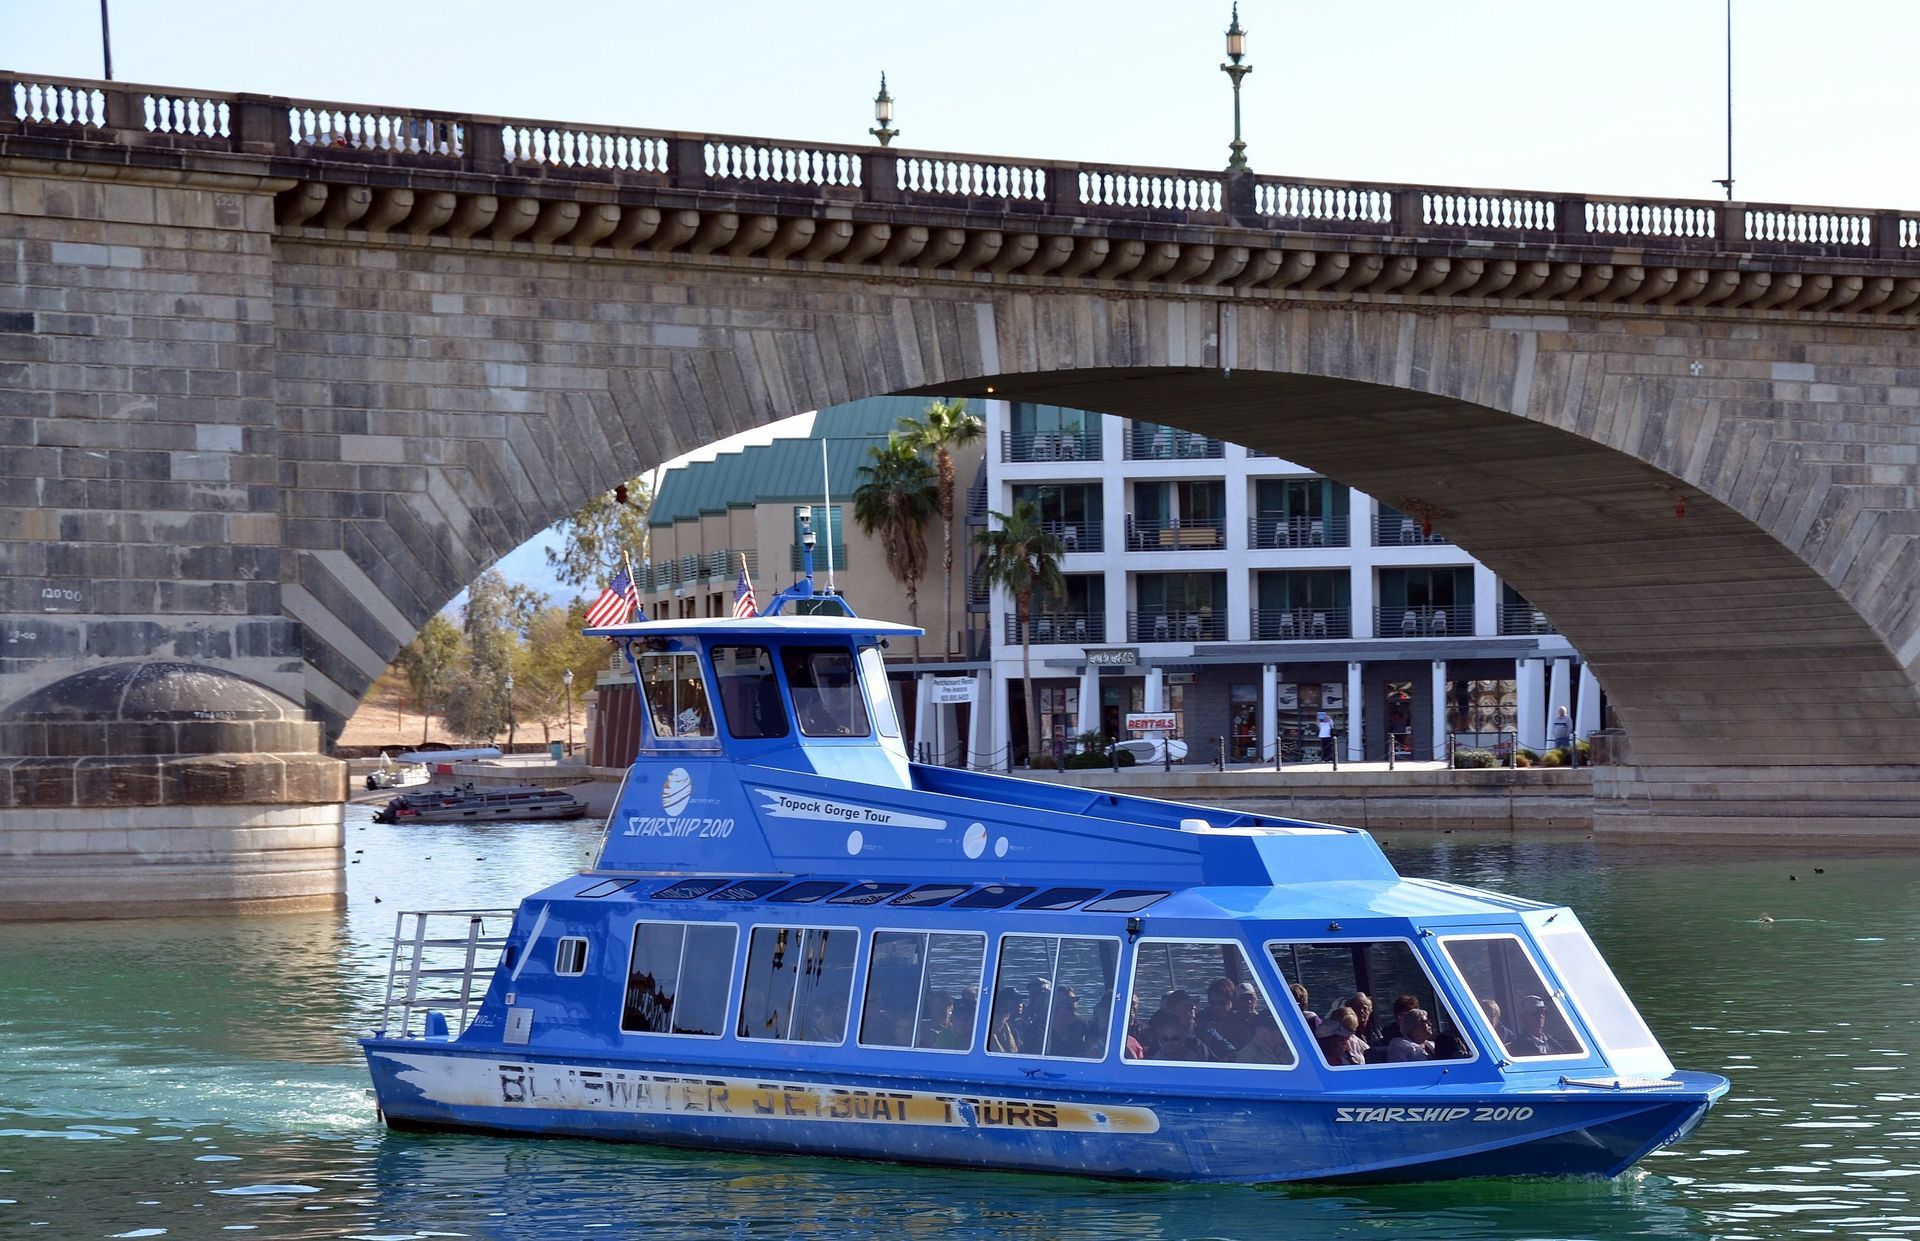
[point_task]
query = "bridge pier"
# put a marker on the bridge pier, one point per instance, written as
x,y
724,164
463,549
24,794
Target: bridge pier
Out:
x,y
1759,805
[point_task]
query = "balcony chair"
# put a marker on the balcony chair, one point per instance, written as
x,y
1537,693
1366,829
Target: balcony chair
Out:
x,y
1193,626
1317,532
1080,628
1319,628
1162,628
1409,533
1070,538
1288,629
1410,624
1438,625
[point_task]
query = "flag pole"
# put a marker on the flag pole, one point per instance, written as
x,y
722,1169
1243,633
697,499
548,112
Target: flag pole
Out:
x,y
633,583
748,579
826,493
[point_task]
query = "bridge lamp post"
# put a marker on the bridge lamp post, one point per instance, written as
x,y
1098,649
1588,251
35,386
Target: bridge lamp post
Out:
x,y
509,688
883,113
567,679
1235,70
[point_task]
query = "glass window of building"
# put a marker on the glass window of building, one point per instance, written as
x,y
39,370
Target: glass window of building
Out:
x,y
1299,512
1180,607
1521,1009
1052,433
1172,516
749,692
798,984
1302,604
1426,603
1078,615
923,990
1297,709
1053,996
1517,615
678,979
1059,717
1243,743
676,695
1152,441
1071,512
826,691
1198,1002
1376,1002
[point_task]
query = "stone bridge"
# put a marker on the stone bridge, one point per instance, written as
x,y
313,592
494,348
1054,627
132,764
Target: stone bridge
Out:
x,y
278,378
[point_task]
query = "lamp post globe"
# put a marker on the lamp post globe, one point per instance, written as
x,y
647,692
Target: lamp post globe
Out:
x,y
1235,69
883,115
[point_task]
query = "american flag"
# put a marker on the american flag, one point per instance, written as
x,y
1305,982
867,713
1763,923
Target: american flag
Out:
x,y
615,603
744,604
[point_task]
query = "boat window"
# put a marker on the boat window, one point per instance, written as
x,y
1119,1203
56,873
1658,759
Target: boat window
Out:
x,y
922,990
1126,901
879,692
1053,996
1198,1002
689,889
1610,1015
570,955
1521,1009
932,894
826,691
678,979
606,887
798,984
748,890
993,896
1375,981
1056,899
749,692
676,695
807,891
868,893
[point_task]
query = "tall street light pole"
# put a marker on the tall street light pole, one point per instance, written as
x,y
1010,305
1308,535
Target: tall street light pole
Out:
x,y
567,678
1234,69
106,42
1727,181
509,712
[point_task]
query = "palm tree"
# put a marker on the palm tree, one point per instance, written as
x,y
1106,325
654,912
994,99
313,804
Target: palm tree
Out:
x,y
940,428
1023,557
896,498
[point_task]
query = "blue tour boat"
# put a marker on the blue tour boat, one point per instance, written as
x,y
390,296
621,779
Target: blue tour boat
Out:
x,y
795,939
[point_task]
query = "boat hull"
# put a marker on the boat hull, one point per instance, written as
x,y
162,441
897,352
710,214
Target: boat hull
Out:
x,y
1421,1134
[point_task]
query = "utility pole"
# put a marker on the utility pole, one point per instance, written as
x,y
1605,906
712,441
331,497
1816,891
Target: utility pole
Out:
x,y
106,41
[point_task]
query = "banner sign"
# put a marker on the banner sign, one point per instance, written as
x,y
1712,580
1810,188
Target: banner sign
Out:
x,y
1112,656
1151,721
952,689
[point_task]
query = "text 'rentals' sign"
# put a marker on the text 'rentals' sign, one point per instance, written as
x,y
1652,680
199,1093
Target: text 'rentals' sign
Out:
x,y
1151,721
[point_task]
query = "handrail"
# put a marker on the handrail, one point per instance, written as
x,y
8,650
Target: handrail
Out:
x,y
428,970
126,114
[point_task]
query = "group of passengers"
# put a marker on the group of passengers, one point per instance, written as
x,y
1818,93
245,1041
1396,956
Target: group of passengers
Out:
x,y
1046,1020
1350,1035
1232,1028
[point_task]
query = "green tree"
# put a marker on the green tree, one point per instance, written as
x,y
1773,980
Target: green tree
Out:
x,y
942,427
596,541
554,647
429,663
495,622
1023,558
896,498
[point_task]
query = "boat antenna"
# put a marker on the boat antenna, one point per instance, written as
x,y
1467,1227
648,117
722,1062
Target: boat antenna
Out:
x,y
826,510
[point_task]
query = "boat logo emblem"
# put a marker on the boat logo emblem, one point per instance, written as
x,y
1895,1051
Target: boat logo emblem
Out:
x,y
676,791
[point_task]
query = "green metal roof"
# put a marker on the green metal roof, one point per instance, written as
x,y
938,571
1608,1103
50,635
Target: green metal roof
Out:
x,y
786,471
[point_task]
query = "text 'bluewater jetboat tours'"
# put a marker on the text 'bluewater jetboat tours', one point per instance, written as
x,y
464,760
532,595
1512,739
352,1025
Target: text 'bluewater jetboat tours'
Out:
x,y
795,939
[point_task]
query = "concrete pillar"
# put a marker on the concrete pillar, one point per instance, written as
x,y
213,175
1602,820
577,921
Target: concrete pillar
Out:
x,y
924,727
1156,695
1269,692
1361,588
1356,715
1089,699
1486,600
980,741
1586,712
1529,699
1440,710
1558,697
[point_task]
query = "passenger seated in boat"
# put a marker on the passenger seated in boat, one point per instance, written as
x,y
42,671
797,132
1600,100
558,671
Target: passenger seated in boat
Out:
x,y
1301,999
1220,1018
1362,1006
1266,1046
1009,1016
1032,1032
1415,1040
1174,1039
1501,1030
1137,1031
1450,1046
1069,1034
1182,1003
940,1029
1339,1041
1533,1038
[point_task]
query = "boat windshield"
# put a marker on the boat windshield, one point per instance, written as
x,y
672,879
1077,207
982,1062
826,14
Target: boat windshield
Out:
x,y
1616,1024
1369,1002
826,691
1521,1008
676,694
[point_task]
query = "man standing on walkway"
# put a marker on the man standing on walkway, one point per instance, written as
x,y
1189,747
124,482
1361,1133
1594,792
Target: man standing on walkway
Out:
x,y
1324,723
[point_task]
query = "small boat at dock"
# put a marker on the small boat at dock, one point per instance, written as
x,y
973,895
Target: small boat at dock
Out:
x,y
795,939
506,803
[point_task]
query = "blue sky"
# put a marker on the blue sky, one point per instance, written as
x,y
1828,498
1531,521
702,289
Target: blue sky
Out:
x,y
1617,97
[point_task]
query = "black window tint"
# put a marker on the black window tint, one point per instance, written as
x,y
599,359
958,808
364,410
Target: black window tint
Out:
x,y
867,893
606,887
1126,902
807,891
749,692
1060,898
677,979
748,890
688,889
798,984
826,691
993,896
1503,980
931,894
922,990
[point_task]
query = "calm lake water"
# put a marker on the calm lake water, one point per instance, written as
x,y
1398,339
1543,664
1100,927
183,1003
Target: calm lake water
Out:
x,y
197,1078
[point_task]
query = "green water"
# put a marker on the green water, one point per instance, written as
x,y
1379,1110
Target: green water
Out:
x,y
197,1078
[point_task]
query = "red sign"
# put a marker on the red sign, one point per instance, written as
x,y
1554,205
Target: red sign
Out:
x,y
1152,721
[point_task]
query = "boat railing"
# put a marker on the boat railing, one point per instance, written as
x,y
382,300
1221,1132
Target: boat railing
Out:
x,y
436,956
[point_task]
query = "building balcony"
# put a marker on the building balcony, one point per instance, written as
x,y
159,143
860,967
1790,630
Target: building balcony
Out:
x,y
1077,536
1399,530
1076,627
724,565
1523,619
1153,443
1269,531
1424,622
1180,626
1177,534
1302,624
1050,446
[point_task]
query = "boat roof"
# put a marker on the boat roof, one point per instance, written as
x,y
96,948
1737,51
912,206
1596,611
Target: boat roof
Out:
x,y
784,626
